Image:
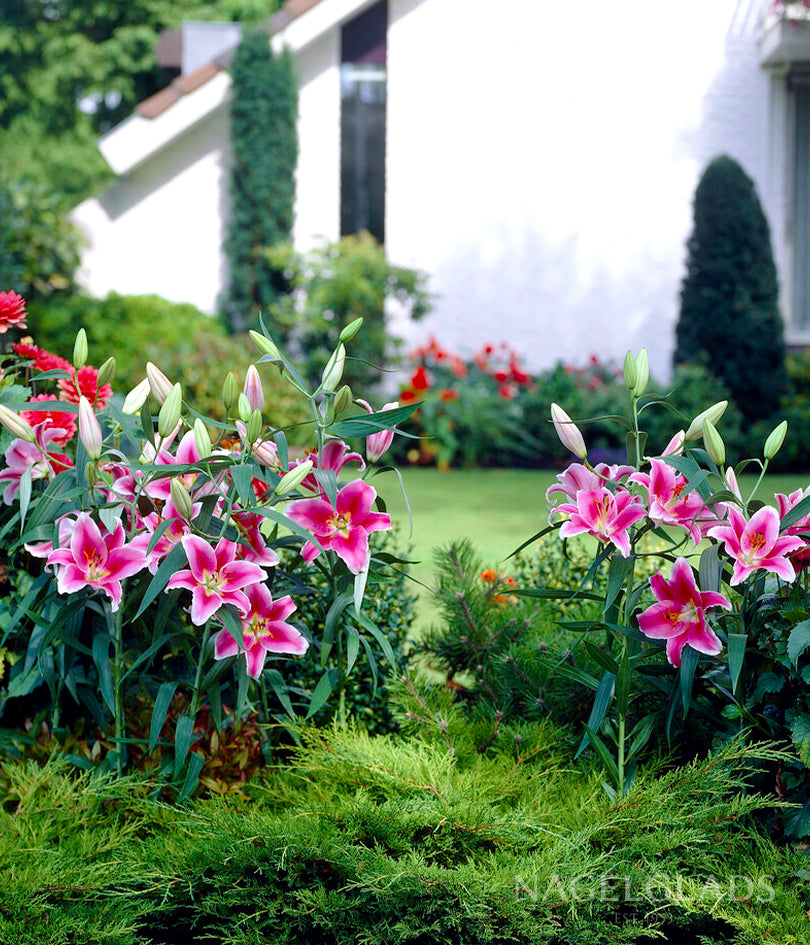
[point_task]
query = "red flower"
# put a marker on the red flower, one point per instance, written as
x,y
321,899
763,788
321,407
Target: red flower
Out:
x,y
519,376
501,377
25,348
448,393
420,379
88,387
12,311
507,391
54,418
407,396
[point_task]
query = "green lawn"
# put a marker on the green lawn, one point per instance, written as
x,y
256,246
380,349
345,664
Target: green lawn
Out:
x,y
497,509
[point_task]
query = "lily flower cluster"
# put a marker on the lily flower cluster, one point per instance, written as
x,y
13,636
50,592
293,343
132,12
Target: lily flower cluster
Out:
x,y
187,513
618,504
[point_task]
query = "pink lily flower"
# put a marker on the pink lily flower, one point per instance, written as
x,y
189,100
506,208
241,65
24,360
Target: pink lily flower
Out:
x,y
801,559
215,577
605,516
264,631
378,444
344,528
171,536
21,455
679,617
756,544
253,547
670,504
577,477
334,456
93,558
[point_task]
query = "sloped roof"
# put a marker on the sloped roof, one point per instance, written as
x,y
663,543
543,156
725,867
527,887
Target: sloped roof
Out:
x,y
172,111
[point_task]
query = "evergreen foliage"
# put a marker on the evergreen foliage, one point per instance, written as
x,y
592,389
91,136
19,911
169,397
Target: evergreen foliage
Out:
x,y
419,840
265,149
729,316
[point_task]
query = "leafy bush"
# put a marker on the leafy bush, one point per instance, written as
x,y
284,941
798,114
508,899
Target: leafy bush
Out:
x,y
729,319
333,285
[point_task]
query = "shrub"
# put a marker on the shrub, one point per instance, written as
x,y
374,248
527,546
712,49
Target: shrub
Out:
x,y
729,318
265,151
332,286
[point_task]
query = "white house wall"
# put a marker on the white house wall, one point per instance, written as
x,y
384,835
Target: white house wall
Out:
x,y
542,159
160,229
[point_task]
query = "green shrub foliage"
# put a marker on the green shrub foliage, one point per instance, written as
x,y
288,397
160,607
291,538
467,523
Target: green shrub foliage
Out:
x,y
729,318
265,149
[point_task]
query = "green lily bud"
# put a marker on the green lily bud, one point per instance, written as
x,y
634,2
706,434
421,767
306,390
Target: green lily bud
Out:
x,y
181,499
642,373
169,415
16,425
91,476
265,345
201,439
630,372
254,426
294,477
712,414
229,391
136,398
106,372
713,442
343,399
243,408
333,371
80,349
775,440
351,330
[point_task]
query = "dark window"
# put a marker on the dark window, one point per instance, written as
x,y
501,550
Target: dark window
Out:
x,y
800,307
362,131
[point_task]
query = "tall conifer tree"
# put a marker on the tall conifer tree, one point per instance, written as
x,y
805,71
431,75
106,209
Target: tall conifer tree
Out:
x,y
265,151
729,299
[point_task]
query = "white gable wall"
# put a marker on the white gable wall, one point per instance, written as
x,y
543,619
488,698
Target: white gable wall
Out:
x,y
160,229
542,159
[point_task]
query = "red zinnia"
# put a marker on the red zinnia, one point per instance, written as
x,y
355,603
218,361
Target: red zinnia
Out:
x,y
12,311
88,387
54,418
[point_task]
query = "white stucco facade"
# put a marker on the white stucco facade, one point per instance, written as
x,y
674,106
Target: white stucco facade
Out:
x,y
541,163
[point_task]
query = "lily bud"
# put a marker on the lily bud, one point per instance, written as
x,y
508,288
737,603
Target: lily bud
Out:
x,y
253,388
89,429
91,476
568,432
630,372
229,391
169,415
333,371
106,372
181,498
294,477
265,345
159,384
243,408
713,442
351,330
712,414
343,399
16,425
642,373
80,349
675,445
775,440
136,398
254,426
378,443
201,439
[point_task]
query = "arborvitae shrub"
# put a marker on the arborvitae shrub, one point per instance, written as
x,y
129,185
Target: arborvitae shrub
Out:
x,y
265,151
729,316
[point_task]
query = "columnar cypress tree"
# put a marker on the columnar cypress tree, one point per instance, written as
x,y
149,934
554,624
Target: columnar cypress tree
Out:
x,y
265,150
729,299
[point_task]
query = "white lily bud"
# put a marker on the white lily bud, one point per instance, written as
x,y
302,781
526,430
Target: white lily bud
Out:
x,y
333,371
568,432
265,345
136,398
159,384
16,425
775,440
169,415
712,414
89,429
294,477
253,388
201,439
181,499
713,442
